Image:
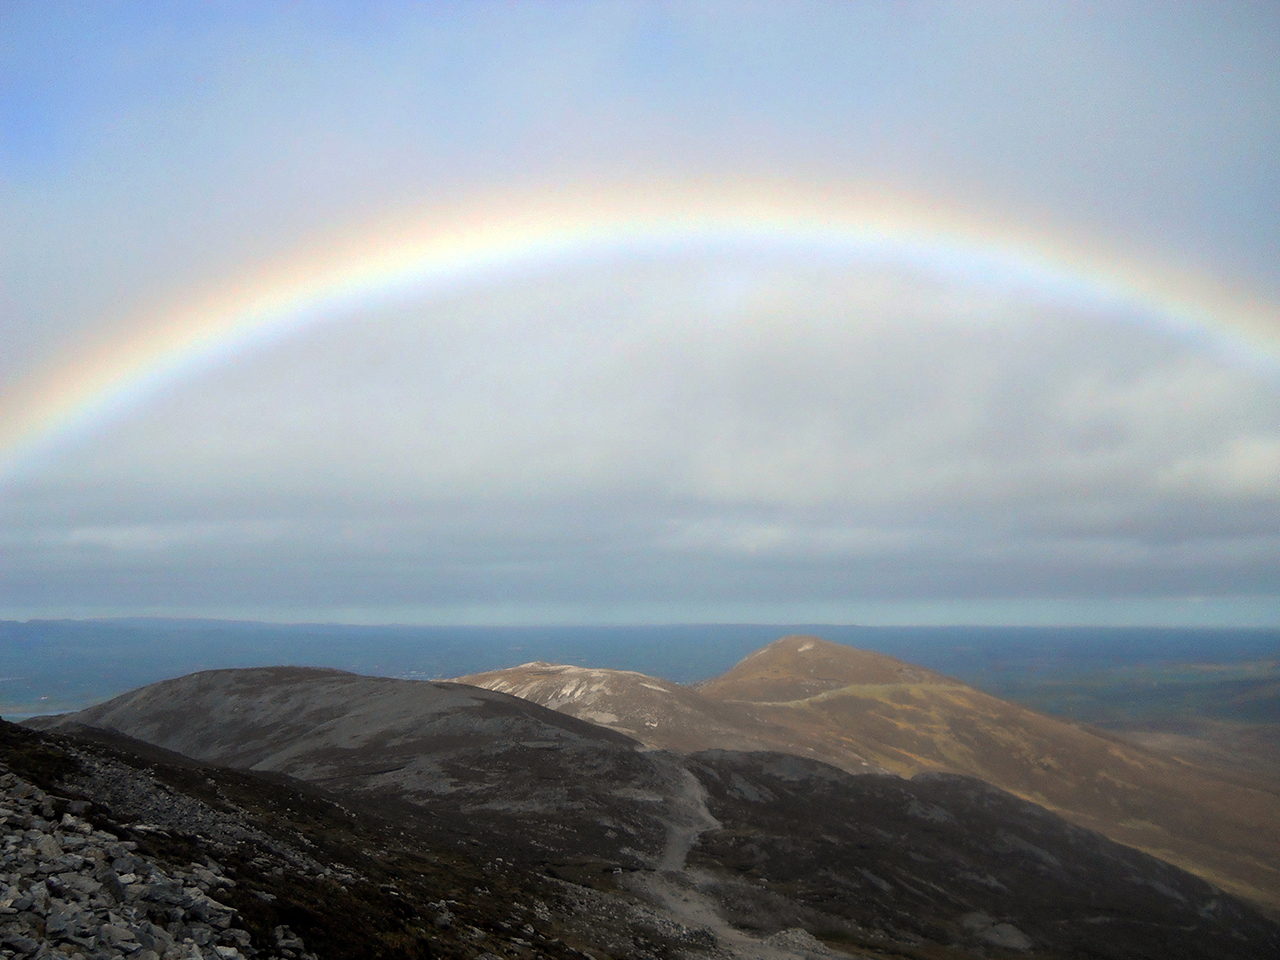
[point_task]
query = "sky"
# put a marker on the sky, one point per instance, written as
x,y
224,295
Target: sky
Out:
x,y
883,312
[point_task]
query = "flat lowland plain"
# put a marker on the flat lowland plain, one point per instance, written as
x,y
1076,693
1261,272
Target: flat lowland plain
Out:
x,y
1224,715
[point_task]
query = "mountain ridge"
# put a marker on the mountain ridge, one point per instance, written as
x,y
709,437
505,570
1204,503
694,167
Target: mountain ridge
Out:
x,y
715,854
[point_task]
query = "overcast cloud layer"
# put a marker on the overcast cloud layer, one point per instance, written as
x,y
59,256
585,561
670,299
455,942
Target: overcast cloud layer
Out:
x,y
727,431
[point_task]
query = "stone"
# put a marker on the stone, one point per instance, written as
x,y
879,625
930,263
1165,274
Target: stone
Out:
x,y
61,920
62,894
20,943
39,894
240,938
1006,935
286,938
109,882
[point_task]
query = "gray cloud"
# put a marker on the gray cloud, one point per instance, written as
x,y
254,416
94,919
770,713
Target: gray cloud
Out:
x,y
738,426
708,429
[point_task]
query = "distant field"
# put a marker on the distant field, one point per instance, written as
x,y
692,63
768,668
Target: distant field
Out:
x,y
1243,692
1225,715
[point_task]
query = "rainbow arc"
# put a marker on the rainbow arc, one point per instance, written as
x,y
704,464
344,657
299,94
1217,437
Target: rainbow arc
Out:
x,y
439,249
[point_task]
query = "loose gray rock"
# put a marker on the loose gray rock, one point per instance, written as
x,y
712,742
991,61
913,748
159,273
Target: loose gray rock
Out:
x,y
1006,935
66,888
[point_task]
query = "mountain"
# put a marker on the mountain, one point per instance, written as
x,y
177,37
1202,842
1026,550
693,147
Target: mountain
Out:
x,y
475,755
865,711
553,836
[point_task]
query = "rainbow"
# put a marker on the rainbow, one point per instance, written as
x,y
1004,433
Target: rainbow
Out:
x,y
433,249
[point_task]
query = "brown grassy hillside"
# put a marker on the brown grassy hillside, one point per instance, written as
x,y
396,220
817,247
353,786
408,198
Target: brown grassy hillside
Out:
x,y
863,711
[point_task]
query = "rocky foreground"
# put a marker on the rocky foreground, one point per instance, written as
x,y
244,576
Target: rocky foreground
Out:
x,y
73,890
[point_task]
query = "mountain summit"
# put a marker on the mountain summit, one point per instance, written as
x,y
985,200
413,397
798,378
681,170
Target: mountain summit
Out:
x,y
797,667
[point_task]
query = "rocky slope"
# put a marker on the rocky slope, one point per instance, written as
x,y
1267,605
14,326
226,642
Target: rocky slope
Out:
x,y
69,885
644,853
865,711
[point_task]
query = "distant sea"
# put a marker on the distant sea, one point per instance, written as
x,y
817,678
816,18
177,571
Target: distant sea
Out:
x,y
53,666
